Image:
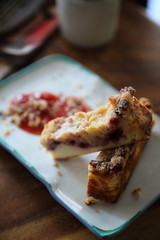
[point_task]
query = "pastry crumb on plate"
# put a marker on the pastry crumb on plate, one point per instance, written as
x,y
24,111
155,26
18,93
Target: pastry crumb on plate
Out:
x,y
137,191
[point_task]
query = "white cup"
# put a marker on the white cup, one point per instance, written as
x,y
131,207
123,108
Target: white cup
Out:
x,y
88,23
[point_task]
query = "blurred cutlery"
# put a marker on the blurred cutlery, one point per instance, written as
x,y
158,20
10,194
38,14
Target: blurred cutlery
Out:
x,y
29,42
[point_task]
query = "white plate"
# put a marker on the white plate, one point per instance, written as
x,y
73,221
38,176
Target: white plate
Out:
x,y
59,74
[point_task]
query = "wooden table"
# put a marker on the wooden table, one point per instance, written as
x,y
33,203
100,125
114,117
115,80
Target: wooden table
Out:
x,y
27,211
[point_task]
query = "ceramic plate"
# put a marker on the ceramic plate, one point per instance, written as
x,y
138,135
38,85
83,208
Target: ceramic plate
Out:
x,y
59,74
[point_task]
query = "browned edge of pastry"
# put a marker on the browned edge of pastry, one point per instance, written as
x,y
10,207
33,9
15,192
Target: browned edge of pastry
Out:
x,y
111,171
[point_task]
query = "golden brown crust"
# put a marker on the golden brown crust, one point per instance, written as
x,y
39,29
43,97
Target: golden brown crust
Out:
x,y
110,172
106,183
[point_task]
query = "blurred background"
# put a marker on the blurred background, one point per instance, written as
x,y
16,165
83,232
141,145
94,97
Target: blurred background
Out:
x,y
152,9
26,25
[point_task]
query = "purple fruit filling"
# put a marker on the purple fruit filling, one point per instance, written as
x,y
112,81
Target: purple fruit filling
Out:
x,y
78,144
115,135
123,104
53,145
117,112
84,145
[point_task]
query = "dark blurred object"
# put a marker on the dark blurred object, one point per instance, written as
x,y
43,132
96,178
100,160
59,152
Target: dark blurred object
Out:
x,y
14,13
30,41
17,48
16,53
142,2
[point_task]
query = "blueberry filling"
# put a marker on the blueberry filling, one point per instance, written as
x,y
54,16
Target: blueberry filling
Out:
x,y
78,144
83,145
53,145
115,135
72,142
123,104
117,112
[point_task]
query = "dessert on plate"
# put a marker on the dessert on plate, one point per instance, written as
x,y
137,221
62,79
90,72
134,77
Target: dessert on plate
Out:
x,y
123,120
109,173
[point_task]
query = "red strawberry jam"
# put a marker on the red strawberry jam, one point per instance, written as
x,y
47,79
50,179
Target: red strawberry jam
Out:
x,y
32,111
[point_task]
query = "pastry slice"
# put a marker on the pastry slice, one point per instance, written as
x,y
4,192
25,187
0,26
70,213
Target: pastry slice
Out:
x,y
123,120
110,172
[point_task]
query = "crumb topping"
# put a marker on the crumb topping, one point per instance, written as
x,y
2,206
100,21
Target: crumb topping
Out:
x,y
89,201
137,191
7,132
55,164
59,173
111,159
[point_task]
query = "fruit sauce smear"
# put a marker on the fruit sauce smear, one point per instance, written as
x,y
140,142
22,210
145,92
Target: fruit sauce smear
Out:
x,y
32,111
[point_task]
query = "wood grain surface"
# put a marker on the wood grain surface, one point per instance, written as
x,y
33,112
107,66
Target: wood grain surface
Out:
x,y
27,211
